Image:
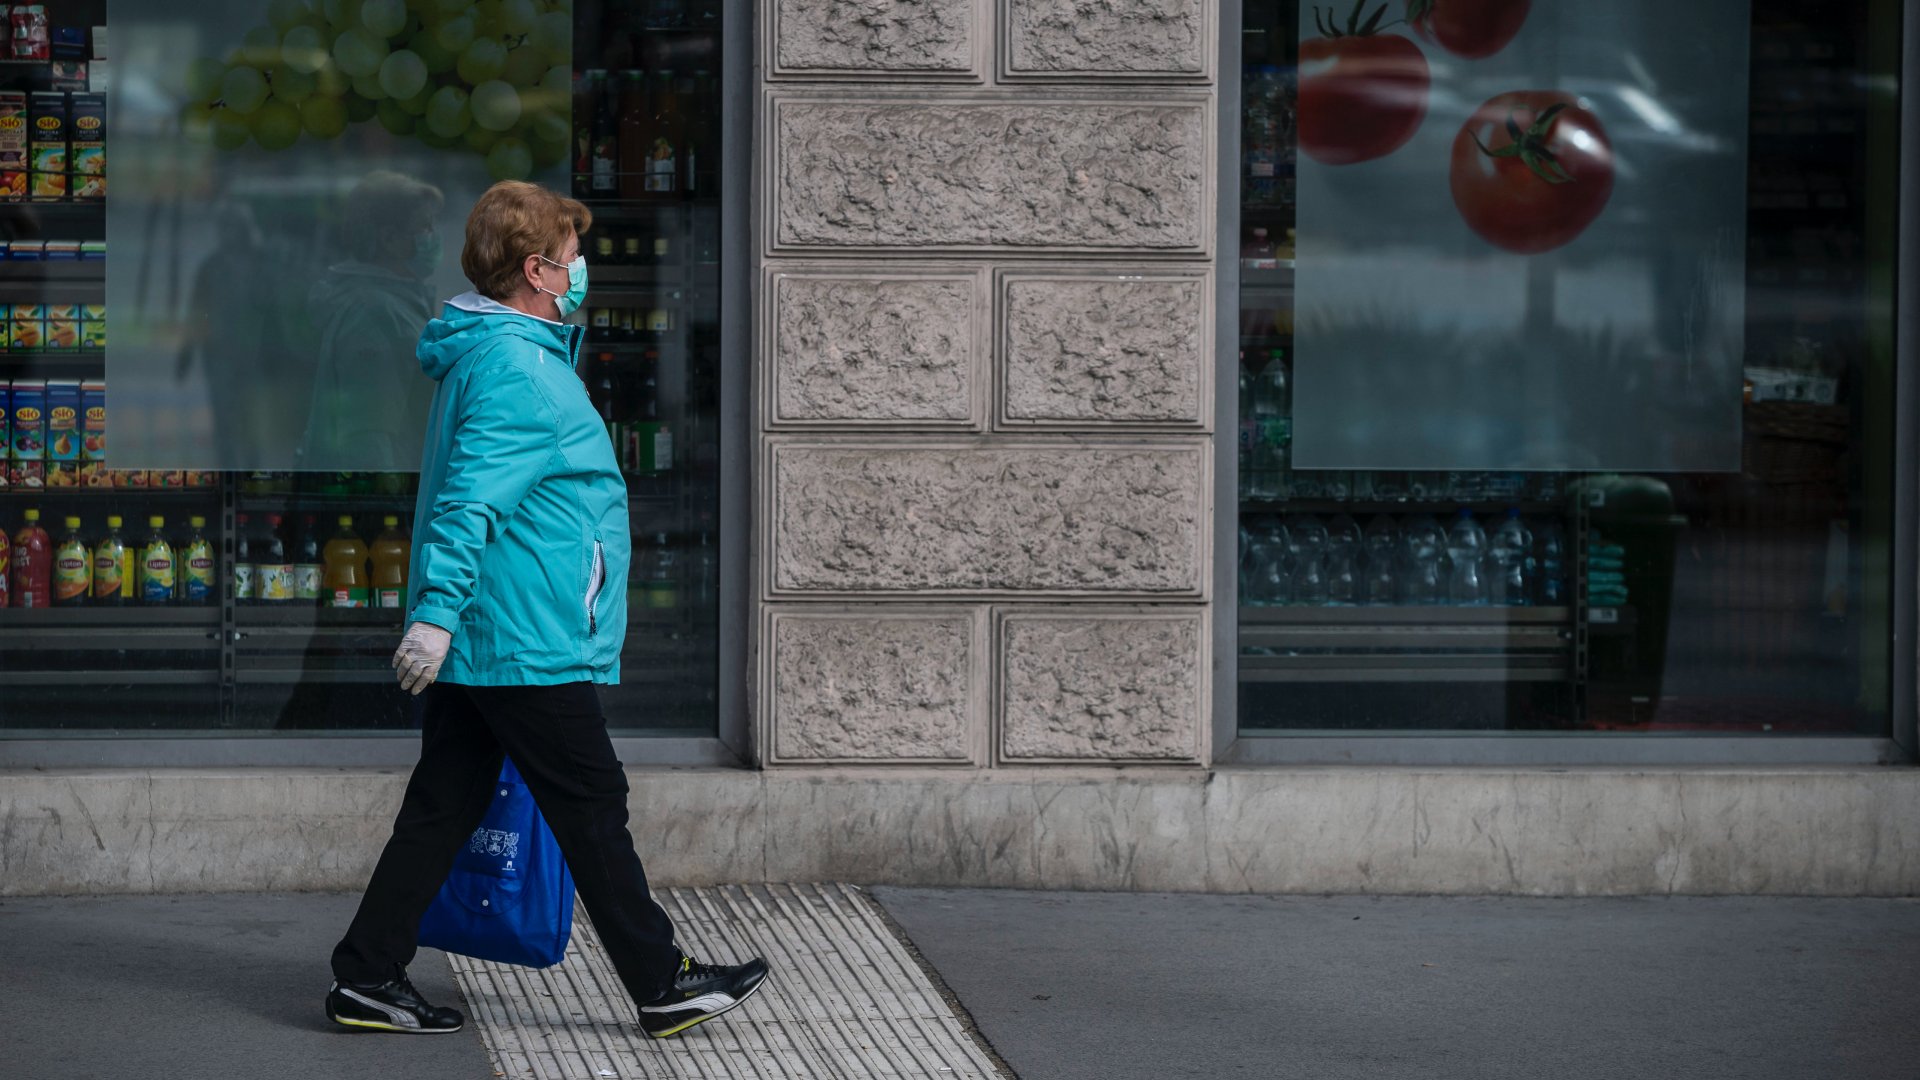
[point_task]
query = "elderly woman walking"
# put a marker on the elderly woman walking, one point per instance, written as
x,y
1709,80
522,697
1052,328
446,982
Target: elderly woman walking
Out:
x,y
519,609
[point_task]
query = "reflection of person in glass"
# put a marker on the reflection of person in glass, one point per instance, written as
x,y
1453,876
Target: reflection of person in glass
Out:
x,y
519,609
369,401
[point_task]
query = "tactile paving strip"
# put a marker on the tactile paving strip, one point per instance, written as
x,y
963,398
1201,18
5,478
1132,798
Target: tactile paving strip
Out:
x,y
844,1000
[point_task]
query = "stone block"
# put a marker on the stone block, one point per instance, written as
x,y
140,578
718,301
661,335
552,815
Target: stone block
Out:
x,y
1090,39
875,349
1089,349
991,174
1102,686
874,684
1007,516
878,39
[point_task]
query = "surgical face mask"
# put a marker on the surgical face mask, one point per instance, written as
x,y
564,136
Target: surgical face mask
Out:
x,y
426,254
569,302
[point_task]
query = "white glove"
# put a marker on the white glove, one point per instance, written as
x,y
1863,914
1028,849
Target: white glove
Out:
x,y
419,656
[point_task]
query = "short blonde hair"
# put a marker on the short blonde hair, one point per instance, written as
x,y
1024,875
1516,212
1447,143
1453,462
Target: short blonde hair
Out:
x,y
513,220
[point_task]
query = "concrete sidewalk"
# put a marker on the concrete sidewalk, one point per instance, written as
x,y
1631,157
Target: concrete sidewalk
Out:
x,y
1063,985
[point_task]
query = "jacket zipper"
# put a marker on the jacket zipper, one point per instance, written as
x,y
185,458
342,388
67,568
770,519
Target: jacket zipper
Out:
x,y
595,581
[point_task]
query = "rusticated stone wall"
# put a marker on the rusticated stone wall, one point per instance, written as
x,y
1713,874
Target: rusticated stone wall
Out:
x,y
983,382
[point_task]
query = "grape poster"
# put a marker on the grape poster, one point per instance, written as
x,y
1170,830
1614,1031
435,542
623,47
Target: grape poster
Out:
x,y
291,181
1521,235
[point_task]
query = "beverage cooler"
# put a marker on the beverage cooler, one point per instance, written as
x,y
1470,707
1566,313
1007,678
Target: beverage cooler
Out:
x,y
245,600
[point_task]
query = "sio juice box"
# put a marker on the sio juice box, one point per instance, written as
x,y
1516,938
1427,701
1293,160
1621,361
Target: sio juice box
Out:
x,y
6,420
47,146
93,421
27,326
13,146
63,326
29,421
63,421
88,155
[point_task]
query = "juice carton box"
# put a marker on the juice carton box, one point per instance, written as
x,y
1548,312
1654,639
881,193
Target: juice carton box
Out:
x,y
93,421
202,479
89,146
63,474
129,478
168,478
27,326
47,145
13,146
95,474
63,421
27,475
6,420
93,326
63,250
29,421
62,334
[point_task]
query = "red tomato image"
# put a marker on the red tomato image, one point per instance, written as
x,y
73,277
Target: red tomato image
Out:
x,y
1474,29
1531,170
1362,93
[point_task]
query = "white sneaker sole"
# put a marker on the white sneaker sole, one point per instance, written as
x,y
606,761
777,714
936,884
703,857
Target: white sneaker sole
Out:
x,y
704,1017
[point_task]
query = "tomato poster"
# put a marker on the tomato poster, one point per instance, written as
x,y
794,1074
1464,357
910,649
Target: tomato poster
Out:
x,y
1521,235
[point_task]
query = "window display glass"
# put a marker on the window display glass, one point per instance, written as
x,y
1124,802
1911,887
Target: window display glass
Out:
x,y
1566,367
223,501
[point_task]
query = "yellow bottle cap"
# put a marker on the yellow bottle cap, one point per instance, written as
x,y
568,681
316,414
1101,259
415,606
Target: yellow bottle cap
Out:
x,y
157,522
33,515
113,521
73,523
391,520
197,522
346,521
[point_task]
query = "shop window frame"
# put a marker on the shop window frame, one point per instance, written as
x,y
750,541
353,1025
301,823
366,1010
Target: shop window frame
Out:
x,y
1235,746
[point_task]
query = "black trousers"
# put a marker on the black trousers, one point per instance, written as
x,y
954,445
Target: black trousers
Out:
x,y
558,739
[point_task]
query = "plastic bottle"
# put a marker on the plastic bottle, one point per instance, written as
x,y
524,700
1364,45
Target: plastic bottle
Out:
x,y
6,568
1423,543
1510,563
1381,547
308,570
32,564
1466,555
111,582
158,567
1263,133
1550,573
390,555
346,581
1271,434
1270,569
660,573
72,569
273,569
705,572
246,578
1247,428
199,579
1309,560
1257,253
1343,562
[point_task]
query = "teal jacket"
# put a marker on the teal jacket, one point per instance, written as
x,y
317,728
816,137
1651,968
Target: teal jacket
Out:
x,y
520,544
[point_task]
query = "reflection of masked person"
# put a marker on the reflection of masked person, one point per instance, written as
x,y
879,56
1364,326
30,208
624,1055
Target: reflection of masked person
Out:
x,y
369,401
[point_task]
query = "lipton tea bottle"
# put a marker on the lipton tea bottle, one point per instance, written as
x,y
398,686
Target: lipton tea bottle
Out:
x,y
199,584
158,567
390,553
111,582
346,583
72,569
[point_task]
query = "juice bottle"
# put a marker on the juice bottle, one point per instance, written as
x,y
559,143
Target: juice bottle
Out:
x,y
111,582
390,552
273,571
6,567
72,568
197,566
157,565
246,576
308,570
32,564
346,576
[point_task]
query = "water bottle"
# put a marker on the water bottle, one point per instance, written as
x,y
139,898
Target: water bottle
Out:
x,y
1271,434
1550,565
1343,562
1263,133
1309,560
1270,577
1382,548
1248,426
1510,563
1244,569
1423,545
1466,553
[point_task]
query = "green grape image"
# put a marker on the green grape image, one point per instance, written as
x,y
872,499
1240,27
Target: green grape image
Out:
x,y
417,104
285,14
525,66
558,81
291,85
359,109
546,130
455,35
517,16
487,22
359,53
510,160
495,105
323,117
383,18
205,77
341,14
553,35
331,81
429,137
402,74
196,122
275,125
482,60
479,139
304,49
368,86
244,90
229,129
451,7
261,47
396,119
426,45
448,114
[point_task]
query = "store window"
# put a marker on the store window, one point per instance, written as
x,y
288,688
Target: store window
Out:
x,y
1566,368
208,521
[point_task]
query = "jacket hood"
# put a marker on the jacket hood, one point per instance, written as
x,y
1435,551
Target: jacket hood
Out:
x,y
470,320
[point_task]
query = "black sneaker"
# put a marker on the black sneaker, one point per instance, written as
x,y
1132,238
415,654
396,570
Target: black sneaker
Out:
x,y
701,992
393,1005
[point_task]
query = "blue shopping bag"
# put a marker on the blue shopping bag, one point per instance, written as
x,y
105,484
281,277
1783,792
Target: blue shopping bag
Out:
x,y
509,897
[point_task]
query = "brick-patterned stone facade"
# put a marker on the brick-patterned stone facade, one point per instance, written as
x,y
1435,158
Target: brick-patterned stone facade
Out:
x,y
984,357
